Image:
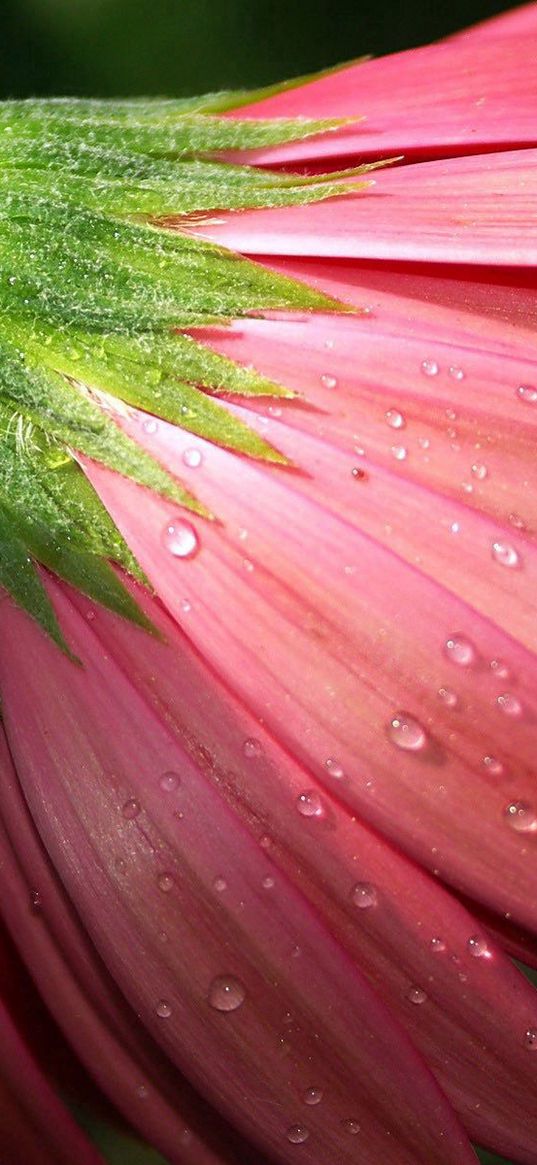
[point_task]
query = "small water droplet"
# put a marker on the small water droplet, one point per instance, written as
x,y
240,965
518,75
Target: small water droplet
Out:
x,y
521,816
297,1134
479,470
268,883
438,945
334,768
131,809
460,650
313,1096
477,947
180,538
36,902
168,782
220,885
150,426
185,605
395,419
364,895
328,381
400,452
527,393
358,474
226,993
451,414
265,841
499,669
456,373
516,521
417,995
493,766
296,952
424,442
407,733
309,804
448,697
193,458
163,1009
252,748
430,368
505,554
530,1038
510,705
165,882
351,1126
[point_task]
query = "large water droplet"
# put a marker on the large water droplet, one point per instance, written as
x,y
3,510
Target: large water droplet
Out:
x,y
407,733
226,993
310,804
193,458
505,554
168,782
527,393
180,538
297,1134
313,1096
364,895
131,809
163,1009
430,368
395,419
521,816
460,650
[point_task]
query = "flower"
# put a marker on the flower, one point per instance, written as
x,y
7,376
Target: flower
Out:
x,y
285,845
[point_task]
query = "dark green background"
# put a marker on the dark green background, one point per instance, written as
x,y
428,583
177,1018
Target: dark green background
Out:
x,y
111,47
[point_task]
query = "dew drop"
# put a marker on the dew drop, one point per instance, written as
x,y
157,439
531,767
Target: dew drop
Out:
x,y
297,1134
460,650
400,452
142,1092
226,993
456,373
530,1039
193,458
395,419
505,554
351,1126
313,1096
36,902
424,442
163,1009
180,539
479,470
493,766
165,882
499,669
429,368
309,804
527,393
477,947
268,883
407,733
417,995
448,697
252,748
186,606
131,809
510,705
521,817
220,885
438,945
364,895
328,381
334,768
150,426
358,474
168,782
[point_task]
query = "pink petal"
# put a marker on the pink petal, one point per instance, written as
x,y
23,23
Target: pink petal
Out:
x,y
480,209
343,1037
517,22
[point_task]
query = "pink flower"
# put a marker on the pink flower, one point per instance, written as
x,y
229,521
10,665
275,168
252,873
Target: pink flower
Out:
x,y
285,852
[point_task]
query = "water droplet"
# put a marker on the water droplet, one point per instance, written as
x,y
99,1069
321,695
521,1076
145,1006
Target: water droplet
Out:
x,y
456,373
150,426
296,952
220,885
479,470
313,1096
455,528
358,474
252,748
493,766
448,697
516,521
505,554
530,1039
399,452
478,947
364,895
351,1126
460,650
451,414
168,782
424,442
417,995
163,1009
131,809
193,458
142,1092
395,419
334,768
429,368
180,538
12,279
406,732
527,393
36,902
226,993
297,1134
499,669
309,804
521,817
265,841
186,606
328,381
510,705
165,882
268,883
438,945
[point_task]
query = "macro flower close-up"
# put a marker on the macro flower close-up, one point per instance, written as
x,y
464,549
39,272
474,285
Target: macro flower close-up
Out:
x,y
268,617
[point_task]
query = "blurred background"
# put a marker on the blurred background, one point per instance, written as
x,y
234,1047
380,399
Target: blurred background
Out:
x,y
176,47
